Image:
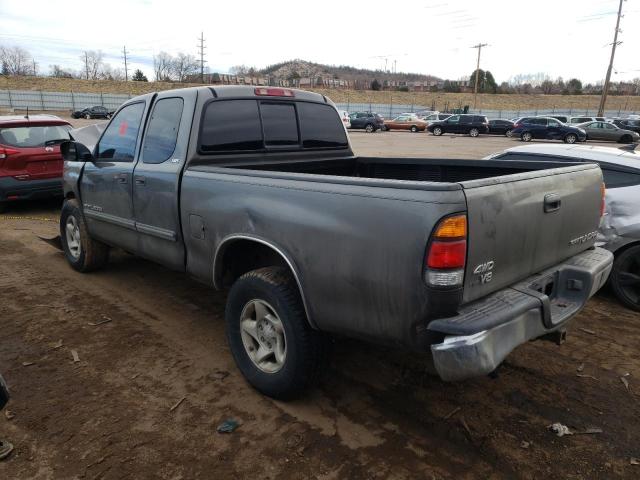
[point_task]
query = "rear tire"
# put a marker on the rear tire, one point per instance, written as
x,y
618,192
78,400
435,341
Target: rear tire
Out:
x,y
414,129
265,314
507,133
83,253
571,138
626,139
526,137
437,131
87,116
625,277
474,132
369,128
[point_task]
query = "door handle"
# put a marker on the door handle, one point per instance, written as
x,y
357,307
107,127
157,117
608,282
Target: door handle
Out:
x,y
140,181
552,202
119,178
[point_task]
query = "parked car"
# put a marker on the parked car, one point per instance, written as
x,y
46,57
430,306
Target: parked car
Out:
x,y
196,179
369,121
472,125
406,121
577,120
434,117
620,227
92,112
344,115
547,128
628,124
500,127
608,131
30,160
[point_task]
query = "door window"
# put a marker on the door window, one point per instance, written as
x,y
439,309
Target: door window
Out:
x,y
118,143
454,119
553,123
162,134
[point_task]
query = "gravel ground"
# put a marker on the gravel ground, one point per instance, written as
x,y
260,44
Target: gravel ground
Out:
x,y
154,378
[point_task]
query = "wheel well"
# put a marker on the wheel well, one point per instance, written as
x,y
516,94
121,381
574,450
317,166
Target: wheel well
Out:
x,y
237,257
626,247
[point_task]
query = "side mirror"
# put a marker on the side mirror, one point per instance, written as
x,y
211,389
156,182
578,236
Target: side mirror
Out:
x,y
75,152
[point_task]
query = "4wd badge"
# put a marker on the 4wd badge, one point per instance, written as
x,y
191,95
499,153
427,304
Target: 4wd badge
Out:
x,y
484,271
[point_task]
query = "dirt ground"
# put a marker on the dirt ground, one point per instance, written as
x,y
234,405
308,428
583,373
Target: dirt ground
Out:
x,y
154,378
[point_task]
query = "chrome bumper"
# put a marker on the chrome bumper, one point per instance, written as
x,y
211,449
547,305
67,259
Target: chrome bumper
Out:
x,y
525,313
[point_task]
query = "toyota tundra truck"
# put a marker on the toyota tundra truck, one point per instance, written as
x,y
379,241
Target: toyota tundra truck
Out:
x,y
256,190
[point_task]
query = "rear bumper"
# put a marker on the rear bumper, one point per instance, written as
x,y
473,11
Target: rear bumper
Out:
x,y
12,189
480,337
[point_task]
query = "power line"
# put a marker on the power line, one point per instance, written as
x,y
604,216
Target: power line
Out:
x,y
475,90
605,90
126,70
201,48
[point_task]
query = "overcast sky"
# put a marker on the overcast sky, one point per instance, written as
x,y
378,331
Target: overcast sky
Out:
x,y
559,37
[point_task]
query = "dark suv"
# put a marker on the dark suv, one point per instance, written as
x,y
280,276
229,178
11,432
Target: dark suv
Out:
x,y
547,128
633,125
472,125
368,121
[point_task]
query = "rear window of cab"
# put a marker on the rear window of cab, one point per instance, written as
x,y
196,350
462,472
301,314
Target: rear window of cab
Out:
x,y
249,125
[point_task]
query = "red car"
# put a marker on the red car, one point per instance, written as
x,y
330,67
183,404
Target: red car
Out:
x,y
30,160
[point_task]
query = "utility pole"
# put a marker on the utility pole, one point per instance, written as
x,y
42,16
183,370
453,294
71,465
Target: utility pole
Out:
x,y
126,70
201,48
86,64
605,89
35,68
475,89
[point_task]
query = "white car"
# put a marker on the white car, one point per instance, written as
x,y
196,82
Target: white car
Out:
x,y
344,115
620,226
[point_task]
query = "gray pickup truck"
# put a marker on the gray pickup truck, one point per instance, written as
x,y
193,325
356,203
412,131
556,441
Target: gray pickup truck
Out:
x,y
257,190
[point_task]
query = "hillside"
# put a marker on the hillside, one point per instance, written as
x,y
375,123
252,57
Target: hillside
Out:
x,y
486,101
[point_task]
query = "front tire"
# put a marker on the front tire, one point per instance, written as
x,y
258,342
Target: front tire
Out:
x,y
571,138
474,132
626,139
625,277
83,253
414,129
269,335
87,116
369,128
437,131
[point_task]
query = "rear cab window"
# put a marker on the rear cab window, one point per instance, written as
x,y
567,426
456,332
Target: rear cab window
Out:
x,y
262,125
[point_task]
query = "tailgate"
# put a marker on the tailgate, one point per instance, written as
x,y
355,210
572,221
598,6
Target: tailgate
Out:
x,y
524,223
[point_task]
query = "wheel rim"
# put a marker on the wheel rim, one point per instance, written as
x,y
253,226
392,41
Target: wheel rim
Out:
x,y
508,133
369,128
474,133
263,336
437,131
571,139
414,129
526,137
72,232
628,279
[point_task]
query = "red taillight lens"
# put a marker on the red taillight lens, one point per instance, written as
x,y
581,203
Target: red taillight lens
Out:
x,y
517,125
447,254
274,92
5,152
603,192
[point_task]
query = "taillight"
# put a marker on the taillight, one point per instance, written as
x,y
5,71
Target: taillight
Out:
x,y
603,191
274,92
447,254
517,125
5,152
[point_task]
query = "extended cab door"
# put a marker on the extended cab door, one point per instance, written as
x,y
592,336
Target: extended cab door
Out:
x,y
106,183
156,178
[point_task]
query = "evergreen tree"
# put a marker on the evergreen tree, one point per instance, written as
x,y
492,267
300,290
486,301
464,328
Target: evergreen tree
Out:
x,y
138,76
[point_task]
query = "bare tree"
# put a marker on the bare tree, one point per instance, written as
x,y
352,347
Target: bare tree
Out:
x,y
184,66
16,61
109,73
163,66
93,64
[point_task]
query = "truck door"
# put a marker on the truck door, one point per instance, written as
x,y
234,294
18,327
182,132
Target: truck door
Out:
x,y
106,184
156,178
